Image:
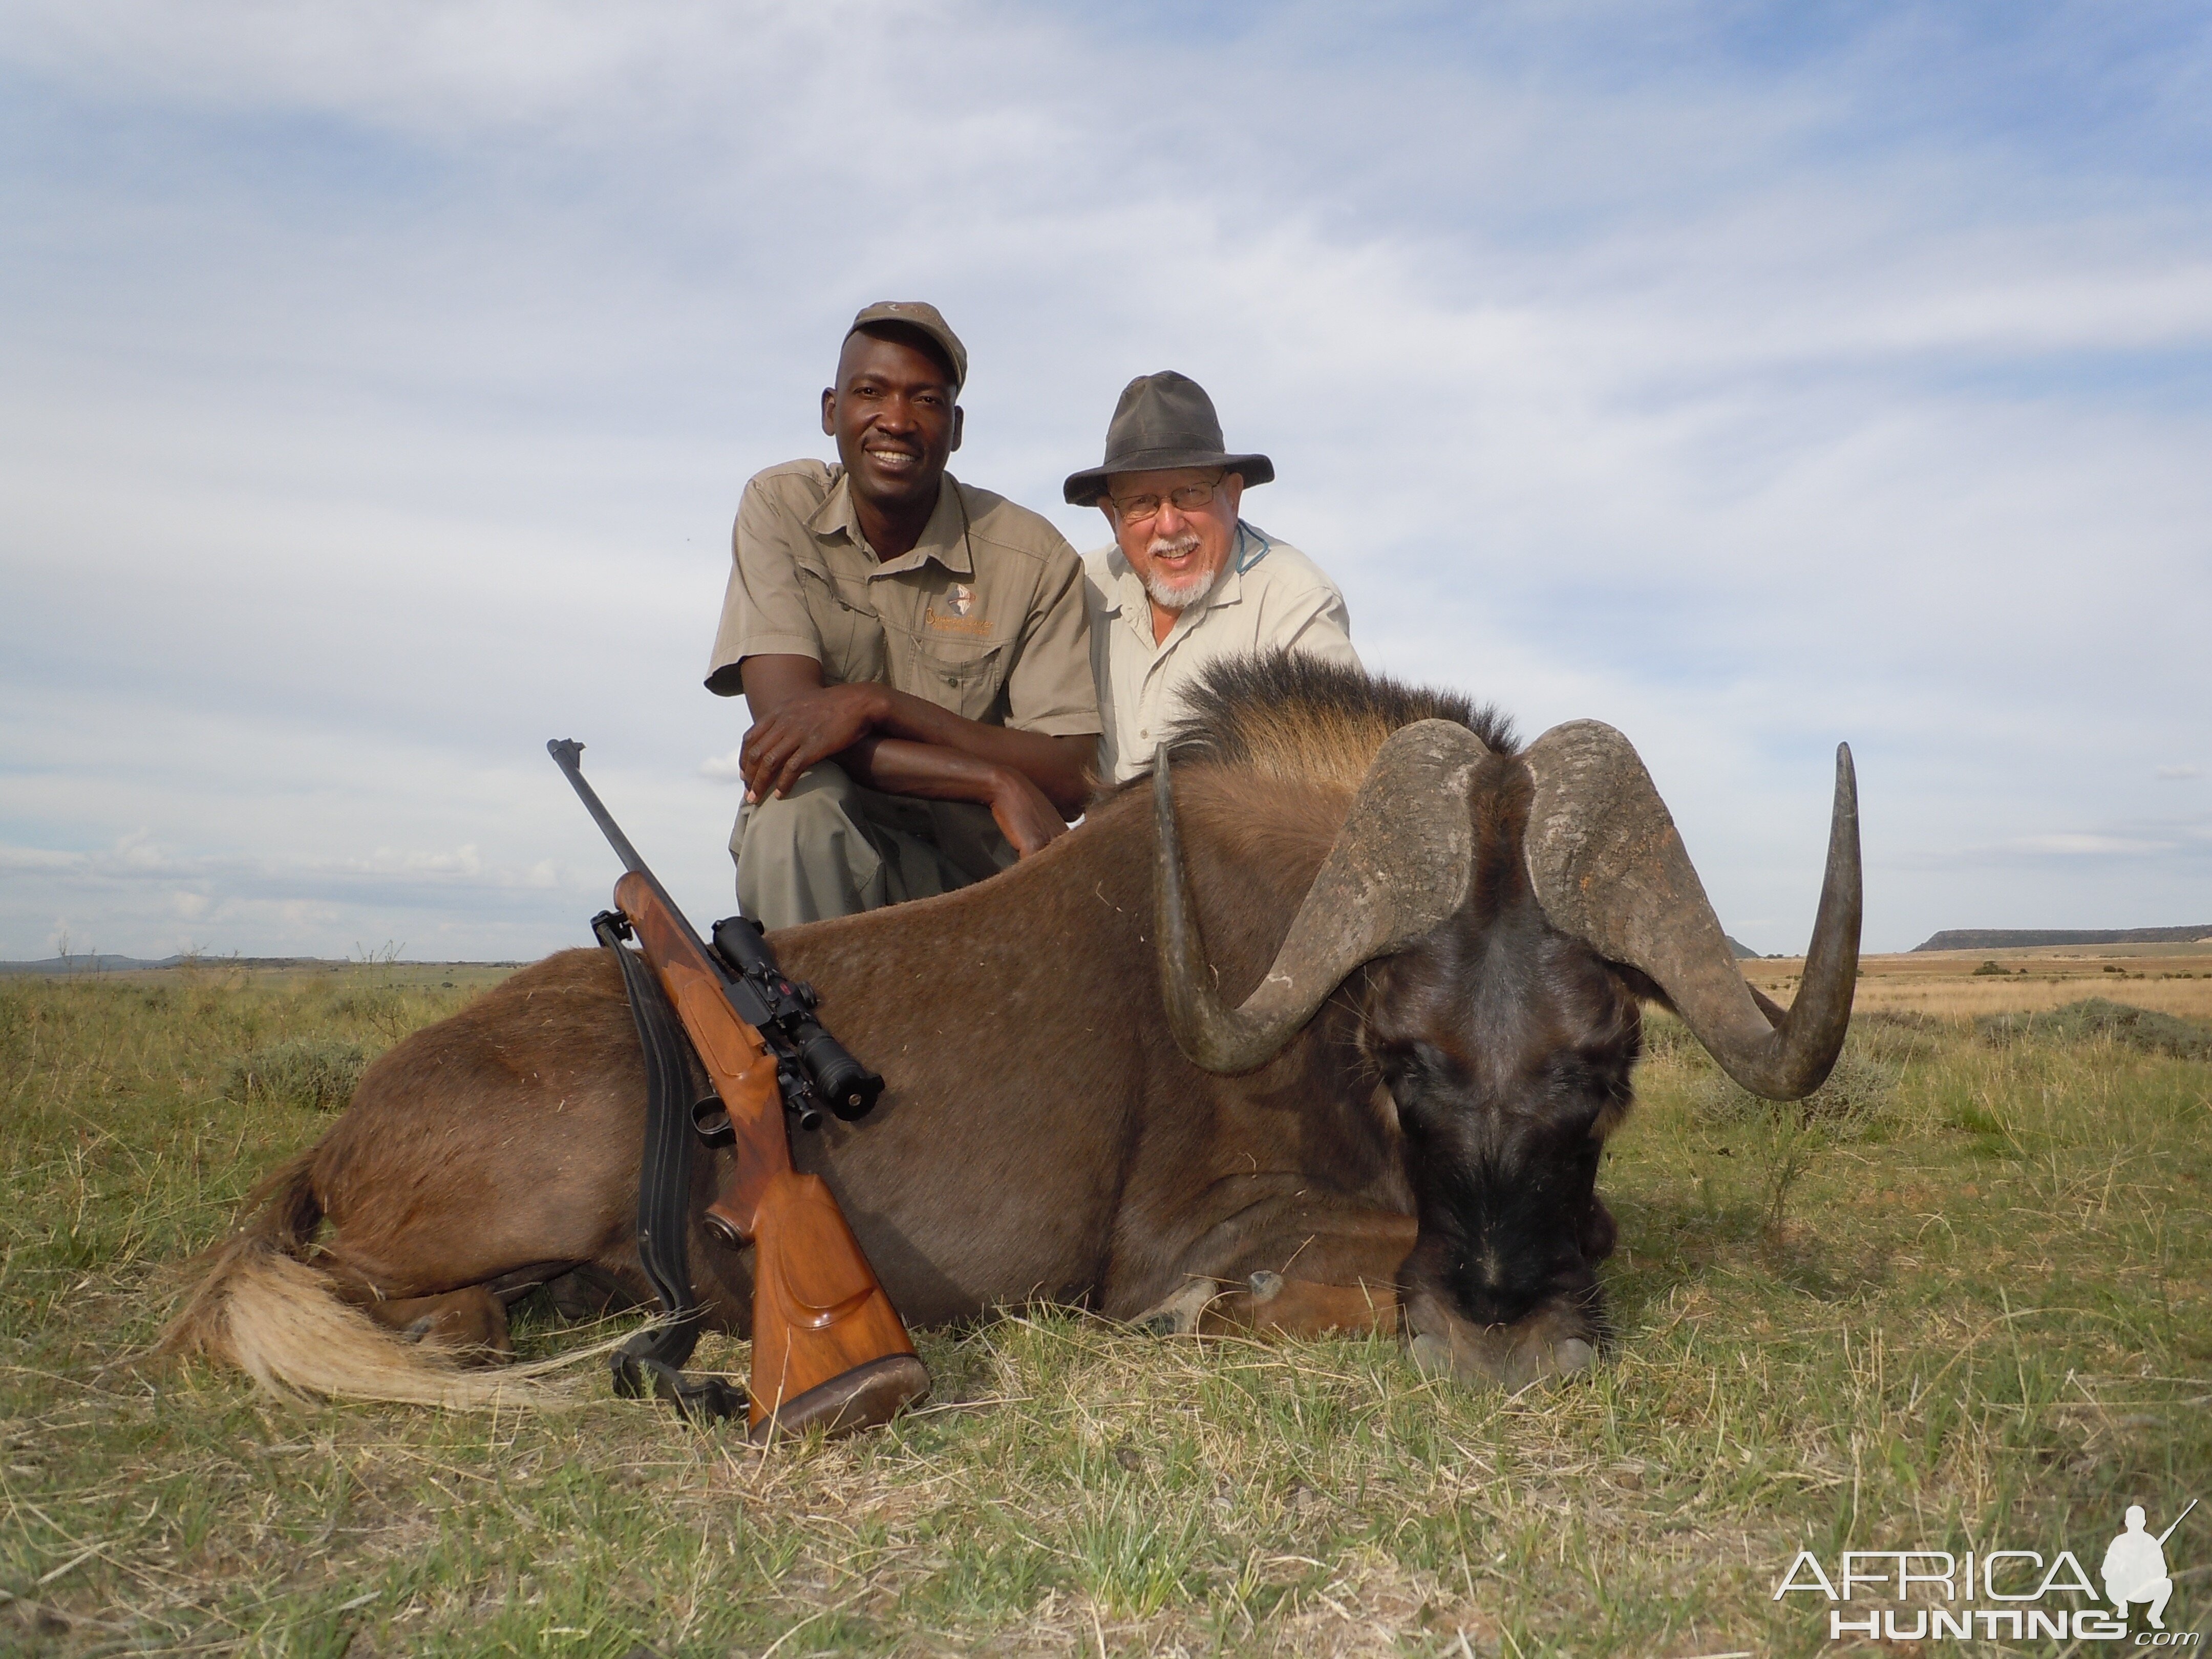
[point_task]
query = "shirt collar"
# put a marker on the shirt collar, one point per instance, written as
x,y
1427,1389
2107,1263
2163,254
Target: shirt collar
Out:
x,y
944,538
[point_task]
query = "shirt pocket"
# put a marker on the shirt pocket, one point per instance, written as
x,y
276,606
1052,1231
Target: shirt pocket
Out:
x,y
851,633
969,677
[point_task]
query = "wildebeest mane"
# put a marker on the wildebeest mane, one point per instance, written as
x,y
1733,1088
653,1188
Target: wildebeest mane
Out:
x,y
1287,714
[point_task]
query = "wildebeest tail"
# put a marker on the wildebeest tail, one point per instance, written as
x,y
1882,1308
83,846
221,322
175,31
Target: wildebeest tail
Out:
x,y
263,1307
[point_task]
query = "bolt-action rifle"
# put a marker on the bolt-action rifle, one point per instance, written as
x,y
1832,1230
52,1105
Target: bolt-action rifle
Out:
x,y
828,1347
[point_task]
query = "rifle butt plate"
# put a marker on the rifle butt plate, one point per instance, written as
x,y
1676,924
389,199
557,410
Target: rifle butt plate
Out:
x,y
862,1398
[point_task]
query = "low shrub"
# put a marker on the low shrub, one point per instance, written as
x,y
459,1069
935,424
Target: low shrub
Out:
x,y
2145,1030
1860,1091
1899,1034
317,1077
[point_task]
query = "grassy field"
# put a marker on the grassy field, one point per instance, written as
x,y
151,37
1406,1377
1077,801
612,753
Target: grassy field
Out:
x,y
1965,1300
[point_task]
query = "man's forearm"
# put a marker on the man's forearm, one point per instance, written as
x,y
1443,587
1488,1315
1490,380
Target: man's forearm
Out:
x,y
923,771
899,766
1056,766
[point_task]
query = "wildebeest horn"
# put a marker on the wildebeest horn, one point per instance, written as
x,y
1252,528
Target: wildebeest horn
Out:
x,y
1401,864
1608,866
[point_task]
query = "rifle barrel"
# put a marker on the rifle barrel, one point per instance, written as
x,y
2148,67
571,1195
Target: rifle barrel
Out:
x,y
2178,1520
565,752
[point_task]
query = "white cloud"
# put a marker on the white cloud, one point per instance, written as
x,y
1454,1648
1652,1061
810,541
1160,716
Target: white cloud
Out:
x,y
723,768
2092,846
382,381
2175,774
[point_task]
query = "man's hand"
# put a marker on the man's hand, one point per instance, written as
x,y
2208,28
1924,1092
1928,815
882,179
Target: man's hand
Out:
x,y
1023,814
807,727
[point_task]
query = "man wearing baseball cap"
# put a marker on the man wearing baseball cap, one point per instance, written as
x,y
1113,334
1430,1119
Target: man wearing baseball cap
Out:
x,y
1187,581
914,651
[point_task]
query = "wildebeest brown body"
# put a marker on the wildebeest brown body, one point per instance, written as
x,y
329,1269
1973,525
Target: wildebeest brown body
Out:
x,y
1421,1133
1039,1136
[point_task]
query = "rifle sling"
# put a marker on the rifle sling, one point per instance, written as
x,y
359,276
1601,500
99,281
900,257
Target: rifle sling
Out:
x,y
652,1360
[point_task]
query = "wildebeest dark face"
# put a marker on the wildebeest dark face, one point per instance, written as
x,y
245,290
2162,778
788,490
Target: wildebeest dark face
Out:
x,y
1508,1049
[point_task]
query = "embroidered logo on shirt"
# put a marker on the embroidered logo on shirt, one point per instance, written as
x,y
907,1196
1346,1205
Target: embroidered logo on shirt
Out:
x,y
957,617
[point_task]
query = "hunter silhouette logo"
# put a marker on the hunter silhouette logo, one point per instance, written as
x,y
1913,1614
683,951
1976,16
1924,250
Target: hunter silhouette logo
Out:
x,y
1992,1594
2135,1566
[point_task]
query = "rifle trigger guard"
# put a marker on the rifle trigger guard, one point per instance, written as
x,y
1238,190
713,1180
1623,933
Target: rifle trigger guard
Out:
x,y
712,1120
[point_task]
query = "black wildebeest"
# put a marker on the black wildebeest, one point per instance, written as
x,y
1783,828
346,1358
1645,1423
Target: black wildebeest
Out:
x,y
1326,1027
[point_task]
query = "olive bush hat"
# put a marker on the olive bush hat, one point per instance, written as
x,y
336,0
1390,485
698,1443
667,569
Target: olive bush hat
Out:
x,y
1164,420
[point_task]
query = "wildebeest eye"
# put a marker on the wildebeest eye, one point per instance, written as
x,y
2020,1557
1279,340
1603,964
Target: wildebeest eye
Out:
x,y
1571,1073
1413,1066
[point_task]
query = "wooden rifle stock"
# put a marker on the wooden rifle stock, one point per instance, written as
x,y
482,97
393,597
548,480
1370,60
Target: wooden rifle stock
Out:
x,y
829,1348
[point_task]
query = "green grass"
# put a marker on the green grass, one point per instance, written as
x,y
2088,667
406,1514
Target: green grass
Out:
x,y
1960,1296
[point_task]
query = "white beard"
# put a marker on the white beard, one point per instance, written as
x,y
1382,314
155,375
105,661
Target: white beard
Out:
x,y
1177,593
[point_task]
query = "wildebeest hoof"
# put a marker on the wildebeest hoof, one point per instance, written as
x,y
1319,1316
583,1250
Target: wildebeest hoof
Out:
x,y
1265,1285
1179,1315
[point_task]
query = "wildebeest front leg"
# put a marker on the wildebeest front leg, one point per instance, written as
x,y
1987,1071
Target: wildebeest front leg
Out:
x,y
1292,1266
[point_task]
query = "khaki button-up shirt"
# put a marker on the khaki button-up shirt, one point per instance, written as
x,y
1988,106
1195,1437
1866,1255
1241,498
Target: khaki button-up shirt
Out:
x,y
1270,596
985,616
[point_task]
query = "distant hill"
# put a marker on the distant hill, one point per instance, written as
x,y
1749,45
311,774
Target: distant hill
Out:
x,y
2003,938
1739,947
86,965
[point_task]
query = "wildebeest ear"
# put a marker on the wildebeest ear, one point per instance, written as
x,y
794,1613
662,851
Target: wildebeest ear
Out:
x,y
1608,866
1644,988
1642,985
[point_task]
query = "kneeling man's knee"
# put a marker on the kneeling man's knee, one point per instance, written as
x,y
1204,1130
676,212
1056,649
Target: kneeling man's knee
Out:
x,y
803,857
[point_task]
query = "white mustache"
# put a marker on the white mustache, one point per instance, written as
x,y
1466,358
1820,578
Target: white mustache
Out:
x,y
1170,546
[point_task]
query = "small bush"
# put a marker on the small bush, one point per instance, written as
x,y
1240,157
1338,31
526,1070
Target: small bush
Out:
x,y
1898,1035
2144,1030
1988,967
1860,1091
319,1077
374,1003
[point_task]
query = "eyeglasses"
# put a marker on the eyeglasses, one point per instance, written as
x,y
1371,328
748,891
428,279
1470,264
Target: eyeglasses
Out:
x,y
1187,498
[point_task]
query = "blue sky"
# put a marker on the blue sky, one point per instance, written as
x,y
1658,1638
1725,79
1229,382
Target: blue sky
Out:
x,y
382,379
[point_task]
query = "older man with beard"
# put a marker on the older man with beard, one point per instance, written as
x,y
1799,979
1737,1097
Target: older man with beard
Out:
x,y
1186,582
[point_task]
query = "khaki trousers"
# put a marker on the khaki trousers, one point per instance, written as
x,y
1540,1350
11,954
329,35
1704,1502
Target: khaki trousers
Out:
x,y
833,848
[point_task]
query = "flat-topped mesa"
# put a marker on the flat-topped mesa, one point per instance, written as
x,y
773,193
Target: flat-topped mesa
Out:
x,y
2024,939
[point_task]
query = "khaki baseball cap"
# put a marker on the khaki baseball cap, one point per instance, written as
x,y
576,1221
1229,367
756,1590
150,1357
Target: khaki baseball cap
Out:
x,y
917,314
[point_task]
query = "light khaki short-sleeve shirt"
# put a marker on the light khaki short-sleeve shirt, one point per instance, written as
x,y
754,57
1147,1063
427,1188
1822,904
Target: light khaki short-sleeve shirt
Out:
x,y
985,617
1272,597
